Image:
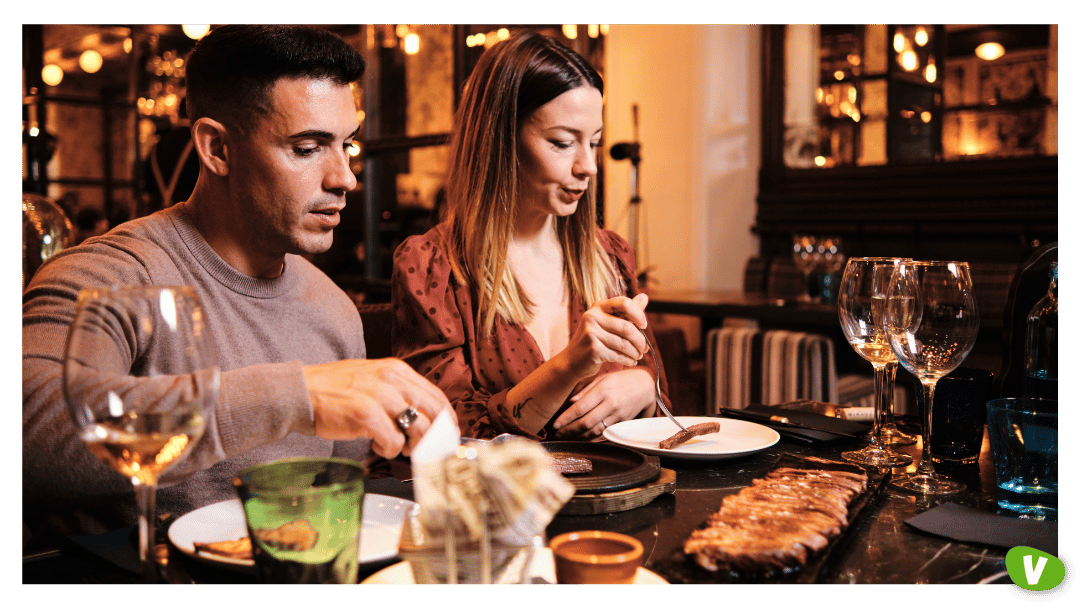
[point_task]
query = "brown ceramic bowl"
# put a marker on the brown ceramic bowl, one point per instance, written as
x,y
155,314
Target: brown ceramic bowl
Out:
x,y
595,556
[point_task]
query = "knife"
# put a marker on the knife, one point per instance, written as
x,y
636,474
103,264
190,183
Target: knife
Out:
x,y
777,420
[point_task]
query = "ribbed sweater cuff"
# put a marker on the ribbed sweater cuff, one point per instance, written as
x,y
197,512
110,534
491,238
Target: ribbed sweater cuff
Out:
x,y
260,404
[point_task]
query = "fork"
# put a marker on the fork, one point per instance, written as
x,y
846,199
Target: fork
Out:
x,y
659,396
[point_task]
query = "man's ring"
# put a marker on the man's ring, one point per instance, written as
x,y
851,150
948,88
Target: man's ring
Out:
x,y
604,423
406,418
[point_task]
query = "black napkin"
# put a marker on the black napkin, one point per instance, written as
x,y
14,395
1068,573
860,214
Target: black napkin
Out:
x,y
119,547
817,435
817,421
969,525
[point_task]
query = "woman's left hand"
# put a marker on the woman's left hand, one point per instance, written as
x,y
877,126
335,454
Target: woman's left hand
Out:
x,y
609,399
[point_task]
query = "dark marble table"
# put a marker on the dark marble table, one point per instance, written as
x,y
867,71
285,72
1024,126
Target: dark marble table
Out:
x,y
878,547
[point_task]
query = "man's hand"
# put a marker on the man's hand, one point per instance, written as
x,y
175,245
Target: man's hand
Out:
x,y
361,398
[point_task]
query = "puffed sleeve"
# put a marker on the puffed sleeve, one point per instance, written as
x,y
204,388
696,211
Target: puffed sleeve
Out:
x,y
623,257
434,332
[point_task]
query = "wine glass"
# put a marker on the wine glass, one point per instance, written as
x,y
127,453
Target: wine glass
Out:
x,y
140,379
890,433
931,322
829,259
861,304
803,253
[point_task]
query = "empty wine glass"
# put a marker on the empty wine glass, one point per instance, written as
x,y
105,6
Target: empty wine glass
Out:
x,y
827,254
140,380
828,260
803,251
931,322
861,304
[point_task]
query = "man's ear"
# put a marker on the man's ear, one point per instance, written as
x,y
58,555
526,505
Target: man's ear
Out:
x,y
211,138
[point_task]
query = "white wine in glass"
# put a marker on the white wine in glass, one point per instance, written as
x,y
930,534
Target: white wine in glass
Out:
x,y
861,305
141,380
931,321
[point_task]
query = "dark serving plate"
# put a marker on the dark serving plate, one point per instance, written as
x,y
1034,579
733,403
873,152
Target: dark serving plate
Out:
x,y
614,467
681,568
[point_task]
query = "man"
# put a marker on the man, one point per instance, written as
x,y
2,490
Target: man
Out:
x,y
272,117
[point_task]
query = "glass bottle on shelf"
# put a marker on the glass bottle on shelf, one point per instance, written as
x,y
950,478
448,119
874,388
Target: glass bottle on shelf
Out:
x,y
1041,348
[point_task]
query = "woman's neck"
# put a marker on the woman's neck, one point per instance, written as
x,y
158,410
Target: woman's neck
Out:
x,y
537,235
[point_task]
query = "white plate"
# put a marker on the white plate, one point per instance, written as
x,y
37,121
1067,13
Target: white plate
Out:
x,y
541,572
735,438
225,521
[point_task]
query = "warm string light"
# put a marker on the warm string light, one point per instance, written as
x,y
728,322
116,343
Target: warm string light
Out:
x,y
90,61
840,99
166,73
488,39
931,71
52,75
195,32
907,56
909,61
921,36
989,51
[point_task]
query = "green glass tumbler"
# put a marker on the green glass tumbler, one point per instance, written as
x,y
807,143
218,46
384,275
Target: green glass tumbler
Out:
x,y
304,517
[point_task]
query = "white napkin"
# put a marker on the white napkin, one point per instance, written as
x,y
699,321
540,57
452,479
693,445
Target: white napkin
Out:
x,y
439,443
511,482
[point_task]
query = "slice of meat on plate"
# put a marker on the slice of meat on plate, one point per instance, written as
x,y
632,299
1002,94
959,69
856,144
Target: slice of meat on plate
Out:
x,y
570,464
691,431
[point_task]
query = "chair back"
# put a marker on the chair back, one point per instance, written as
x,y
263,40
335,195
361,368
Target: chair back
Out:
x,y
748,365
377,320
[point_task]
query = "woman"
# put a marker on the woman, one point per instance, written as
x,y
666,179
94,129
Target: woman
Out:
x,y
491,304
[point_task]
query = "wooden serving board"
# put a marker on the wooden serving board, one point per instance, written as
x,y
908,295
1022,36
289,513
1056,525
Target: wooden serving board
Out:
x,y
681,568
621,500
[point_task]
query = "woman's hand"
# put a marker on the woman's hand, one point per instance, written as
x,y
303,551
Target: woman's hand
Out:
x,y
611,398
609,331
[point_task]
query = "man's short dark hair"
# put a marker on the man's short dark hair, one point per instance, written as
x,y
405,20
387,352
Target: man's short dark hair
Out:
x,y
232,70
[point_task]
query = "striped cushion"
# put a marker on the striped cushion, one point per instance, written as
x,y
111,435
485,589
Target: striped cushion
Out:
x,y
748,365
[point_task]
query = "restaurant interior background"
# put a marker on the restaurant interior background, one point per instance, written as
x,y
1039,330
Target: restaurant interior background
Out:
x,y
904,140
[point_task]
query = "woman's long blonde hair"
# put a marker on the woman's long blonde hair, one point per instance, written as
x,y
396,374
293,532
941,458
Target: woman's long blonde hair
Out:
x,y
511,80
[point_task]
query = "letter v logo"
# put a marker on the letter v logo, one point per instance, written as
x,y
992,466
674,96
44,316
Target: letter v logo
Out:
x,y
1034,571
1033,574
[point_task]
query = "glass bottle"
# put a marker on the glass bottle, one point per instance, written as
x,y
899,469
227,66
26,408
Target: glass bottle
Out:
x,y
1041,347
